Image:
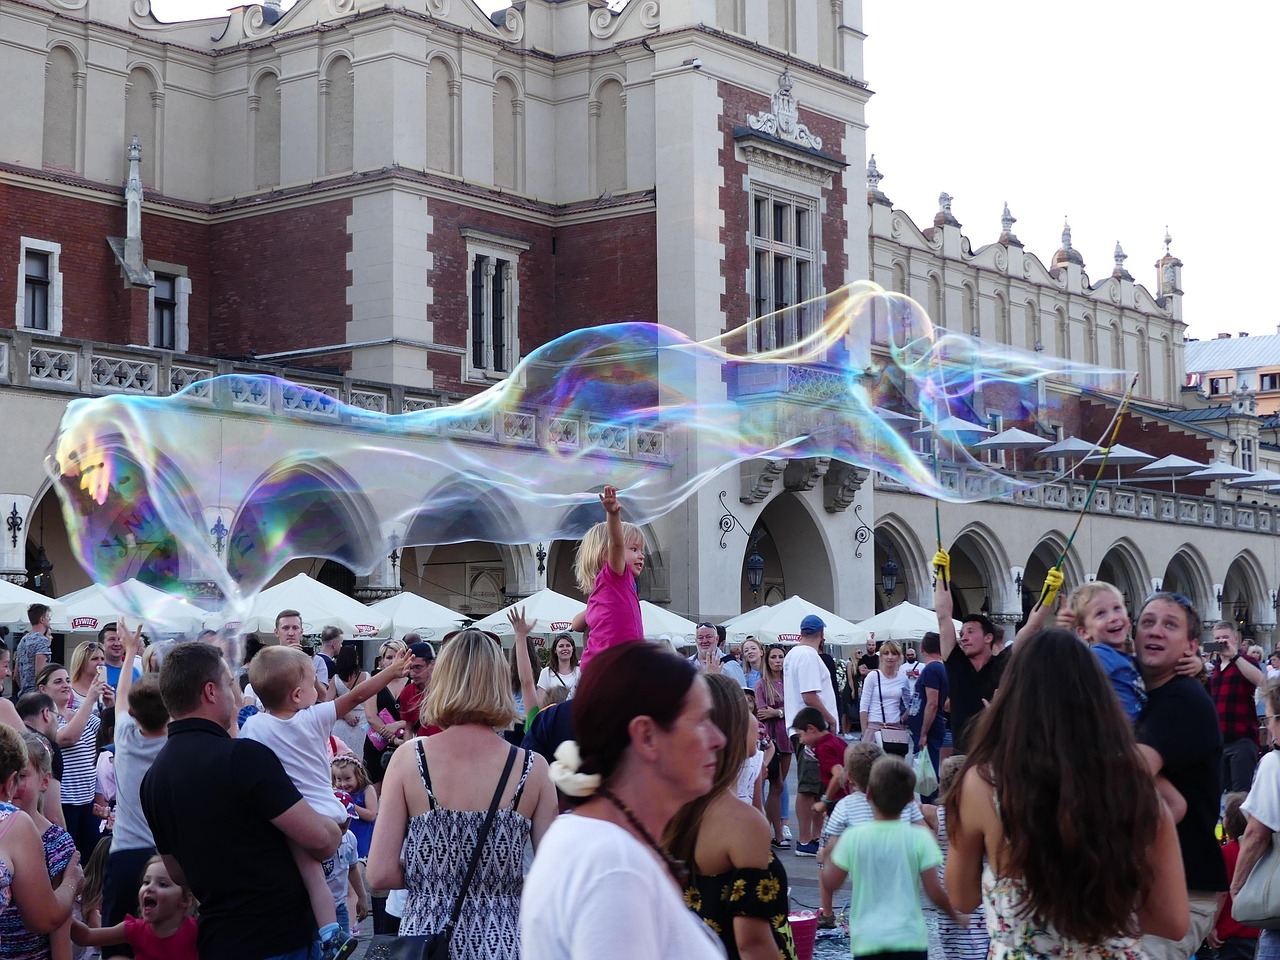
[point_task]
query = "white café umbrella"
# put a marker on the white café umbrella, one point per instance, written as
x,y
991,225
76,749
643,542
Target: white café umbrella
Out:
x,y
320,607
410,613
14,601
1069,448
1219,470
659,621
1171,468
954,429
904,621
1118,455
1012,439
554,612
780,623
894,418
90,609
1259,478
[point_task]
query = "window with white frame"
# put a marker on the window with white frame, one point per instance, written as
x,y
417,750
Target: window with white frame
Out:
x,y
785,263
170,299
1247,461
493,304
39,300
1219,386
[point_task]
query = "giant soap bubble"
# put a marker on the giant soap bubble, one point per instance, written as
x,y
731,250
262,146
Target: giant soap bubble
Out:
x,y
234,477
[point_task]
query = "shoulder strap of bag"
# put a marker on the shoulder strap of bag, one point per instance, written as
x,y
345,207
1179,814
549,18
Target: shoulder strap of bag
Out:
x,y
480,839
884,718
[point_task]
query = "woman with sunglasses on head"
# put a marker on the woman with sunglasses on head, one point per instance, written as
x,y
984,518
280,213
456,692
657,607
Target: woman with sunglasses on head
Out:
x,y
382,714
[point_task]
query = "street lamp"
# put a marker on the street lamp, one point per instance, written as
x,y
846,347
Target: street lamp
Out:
x,y
755,566
889,575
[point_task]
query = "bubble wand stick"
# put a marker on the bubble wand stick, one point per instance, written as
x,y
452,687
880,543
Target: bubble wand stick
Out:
x,y
1048,591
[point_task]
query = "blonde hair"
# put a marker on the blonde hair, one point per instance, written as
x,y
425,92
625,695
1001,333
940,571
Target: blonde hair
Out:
x,y
275,672
889,646
1084,594
471,684
591,552
80,656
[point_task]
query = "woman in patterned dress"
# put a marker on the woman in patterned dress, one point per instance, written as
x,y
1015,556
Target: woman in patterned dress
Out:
x,y
1081,855
434,799
736,884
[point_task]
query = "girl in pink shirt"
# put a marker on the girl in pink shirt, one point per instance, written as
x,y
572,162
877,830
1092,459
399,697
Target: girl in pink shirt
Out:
x,y
610,558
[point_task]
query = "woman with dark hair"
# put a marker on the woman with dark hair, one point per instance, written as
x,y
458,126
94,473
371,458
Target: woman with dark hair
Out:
x,y
769,708
346,674
736,884
381,713
562,670
1081,854
601,884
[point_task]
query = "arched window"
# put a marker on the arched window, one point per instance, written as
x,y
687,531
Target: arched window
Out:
x,y
505,135
339,116
937,306
610,137
1117,345
1003,333
1064,334
899,277
142,104
1034,334
264,105
970,308
1090,339
1145,385
62,84
443,90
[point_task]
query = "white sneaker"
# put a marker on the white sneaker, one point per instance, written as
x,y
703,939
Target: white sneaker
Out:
x,y
786,832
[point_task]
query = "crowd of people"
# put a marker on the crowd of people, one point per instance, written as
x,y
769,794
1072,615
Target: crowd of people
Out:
x,y
1054,796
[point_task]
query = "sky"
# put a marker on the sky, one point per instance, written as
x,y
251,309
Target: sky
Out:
x,y
1121,117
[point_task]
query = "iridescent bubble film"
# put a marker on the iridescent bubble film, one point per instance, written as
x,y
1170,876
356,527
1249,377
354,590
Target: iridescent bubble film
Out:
x,y
233,477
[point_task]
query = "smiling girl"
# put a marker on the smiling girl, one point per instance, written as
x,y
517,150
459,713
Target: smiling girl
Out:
x,y
166,930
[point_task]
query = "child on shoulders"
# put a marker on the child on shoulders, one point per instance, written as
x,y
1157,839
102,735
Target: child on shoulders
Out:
x,y
610,558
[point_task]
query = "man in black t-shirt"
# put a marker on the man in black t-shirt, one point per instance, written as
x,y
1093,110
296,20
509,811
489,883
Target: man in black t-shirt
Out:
x,y
1178,735
222,811
973,667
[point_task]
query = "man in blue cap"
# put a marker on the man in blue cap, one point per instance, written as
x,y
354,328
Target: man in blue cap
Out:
x,y
806,682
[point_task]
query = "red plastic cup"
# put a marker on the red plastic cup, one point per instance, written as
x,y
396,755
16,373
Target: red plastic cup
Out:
x,y
804,930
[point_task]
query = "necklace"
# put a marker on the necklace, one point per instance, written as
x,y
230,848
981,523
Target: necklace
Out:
x,y
677,869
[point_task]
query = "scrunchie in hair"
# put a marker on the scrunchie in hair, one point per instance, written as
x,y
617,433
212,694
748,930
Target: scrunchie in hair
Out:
x,y
565,775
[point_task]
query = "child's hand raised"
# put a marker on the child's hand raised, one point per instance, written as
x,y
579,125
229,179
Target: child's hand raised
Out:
x,y
519,624
609,500
132,639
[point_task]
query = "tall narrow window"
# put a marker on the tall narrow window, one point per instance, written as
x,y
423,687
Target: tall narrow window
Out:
x,y
164,313
784,264
36,290
494,293
61,109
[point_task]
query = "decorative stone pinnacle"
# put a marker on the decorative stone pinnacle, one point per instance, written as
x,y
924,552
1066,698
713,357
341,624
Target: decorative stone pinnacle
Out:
x,y
1066,235
1167,240
944,203
135,150
1007,220
874,176
1121,256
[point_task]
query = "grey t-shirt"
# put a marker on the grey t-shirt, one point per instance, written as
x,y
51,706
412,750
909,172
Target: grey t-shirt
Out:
x,y
29,647
134,755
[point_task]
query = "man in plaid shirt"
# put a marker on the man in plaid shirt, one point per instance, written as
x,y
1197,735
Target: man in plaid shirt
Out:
x,y
1231,686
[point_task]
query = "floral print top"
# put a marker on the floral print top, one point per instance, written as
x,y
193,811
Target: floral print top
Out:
x,y
1017,936
750,892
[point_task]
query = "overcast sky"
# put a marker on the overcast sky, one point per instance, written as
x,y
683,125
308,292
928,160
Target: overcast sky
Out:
x,y
1121,117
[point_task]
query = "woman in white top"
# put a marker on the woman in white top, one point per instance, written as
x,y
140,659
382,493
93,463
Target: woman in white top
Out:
x,y
563,670
601,884
882,694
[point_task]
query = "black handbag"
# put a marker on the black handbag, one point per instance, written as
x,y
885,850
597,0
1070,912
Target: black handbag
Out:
x,y
435,946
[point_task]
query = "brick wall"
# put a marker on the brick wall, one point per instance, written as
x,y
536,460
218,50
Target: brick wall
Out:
x,y
606,272
738,104
279,280
96,304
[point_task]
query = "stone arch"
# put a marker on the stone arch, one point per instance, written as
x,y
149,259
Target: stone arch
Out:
x,y
508,111
797,553
144,102
264,115
1046,552
1003,332
608,122
461,508
63,107
443,92
1246,599
937,301
338,110
969,310
979,569
1063,333
323,509
899,274
1188,573
913,563
1090,339
1124,567
1031,313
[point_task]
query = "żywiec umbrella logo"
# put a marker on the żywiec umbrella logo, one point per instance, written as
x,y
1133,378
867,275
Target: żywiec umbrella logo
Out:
x,y
560,625
365,629
84,623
